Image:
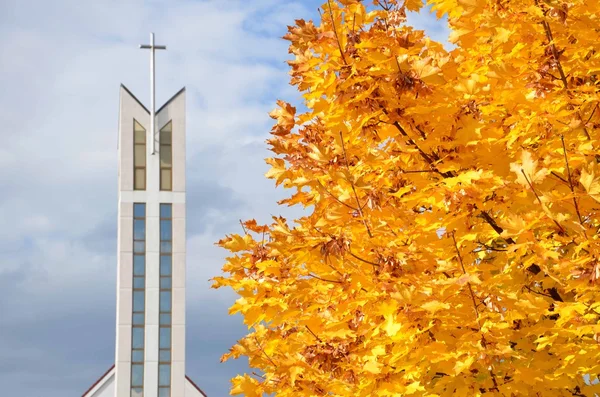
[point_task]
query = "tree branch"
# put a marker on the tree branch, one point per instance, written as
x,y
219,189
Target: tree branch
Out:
x,y
335,198
336,34
462,265
360,211
540,201
363,260
548,31
562,139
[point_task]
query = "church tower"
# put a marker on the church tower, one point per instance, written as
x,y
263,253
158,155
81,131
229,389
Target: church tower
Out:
x,y
151,250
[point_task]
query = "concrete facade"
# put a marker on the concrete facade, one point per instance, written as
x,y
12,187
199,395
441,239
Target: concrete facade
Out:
x,y
173,111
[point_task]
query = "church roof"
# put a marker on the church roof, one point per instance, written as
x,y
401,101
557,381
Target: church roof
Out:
x,y
98,381
144,107
105,375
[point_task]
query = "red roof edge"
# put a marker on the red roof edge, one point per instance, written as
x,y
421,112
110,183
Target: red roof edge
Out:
x,y
195,385
98,381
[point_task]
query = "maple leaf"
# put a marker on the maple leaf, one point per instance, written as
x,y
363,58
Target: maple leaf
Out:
x,y
527,171
590,182
434,306
413,5
285,118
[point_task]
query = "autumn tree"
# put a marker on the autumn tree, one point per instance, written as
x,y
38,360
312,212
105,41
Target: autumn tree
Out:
x,y
451,246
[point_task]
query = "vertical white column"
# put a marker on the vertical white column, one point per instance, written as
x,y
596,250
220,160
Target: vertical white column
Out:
x,y
177,115
153,280
129,111
152,93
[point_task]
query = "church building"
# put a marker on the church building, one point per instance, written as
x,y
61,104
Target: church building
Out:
x,y
151,251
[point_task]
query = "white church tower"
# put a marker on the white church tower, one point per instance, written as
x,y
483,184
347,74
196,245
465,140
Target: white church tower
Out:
x,y
151,250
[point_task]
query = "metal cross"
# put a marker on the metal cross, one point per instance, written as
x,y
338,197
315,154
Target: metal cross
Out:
x,y
152,47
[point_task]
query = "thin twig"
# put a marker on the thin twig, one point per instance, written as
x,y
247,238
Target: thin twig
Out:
x,y
562,139
536,292
548,31
265,353
360,211
335,198
591,115
417,171
555,55
324,279
243,228
336,34
363,260
462,265
313,334
559,177
540,200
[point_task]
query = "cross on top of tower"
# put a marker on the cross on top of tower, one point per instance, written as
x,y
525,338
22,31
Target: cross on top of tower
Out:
x,y
152,47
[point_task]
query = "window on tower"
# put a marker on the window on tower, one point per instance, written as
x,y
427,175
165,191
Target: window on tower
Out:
x,y
165,301
138,300
139,156
166,157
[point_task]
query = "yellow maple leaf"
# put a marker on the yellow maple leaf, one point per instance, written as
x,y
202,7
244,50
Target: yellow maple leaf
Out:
x,y
434,306
529,167
463,365
413,5
590,182
372,367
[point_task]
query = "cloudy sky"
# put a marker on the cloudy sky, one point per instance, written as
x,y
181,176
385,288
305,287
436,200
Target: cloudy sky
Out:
x,y
61,63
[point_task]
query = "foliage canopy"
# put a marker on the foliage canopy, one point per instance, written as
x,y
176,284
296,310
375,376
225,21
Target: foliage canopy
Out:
x,y
452,246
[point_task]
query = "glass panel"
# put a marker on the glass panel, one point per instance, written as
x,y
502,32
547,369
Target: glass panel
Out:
x,y
166,229
137,392
165,282
164,392
138,282
140,136
137,356
165,319
164,375
164,355
165,247
137,338
138,319
140,179
137,375
138,264
167,127
139,247
137,126
139,229
138,301
165,301
165,136
165,179
139,210
165,265
165,338
139,155
165,211
166,156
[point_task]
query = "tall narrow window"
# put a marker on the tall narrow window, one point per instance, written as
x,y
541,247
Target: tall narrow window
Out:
x,y
165,303
139,156
166,157
139,298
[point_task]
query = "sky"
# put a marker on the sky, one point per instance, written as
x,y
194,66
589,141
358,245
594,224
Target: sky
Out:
x,y
61,63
